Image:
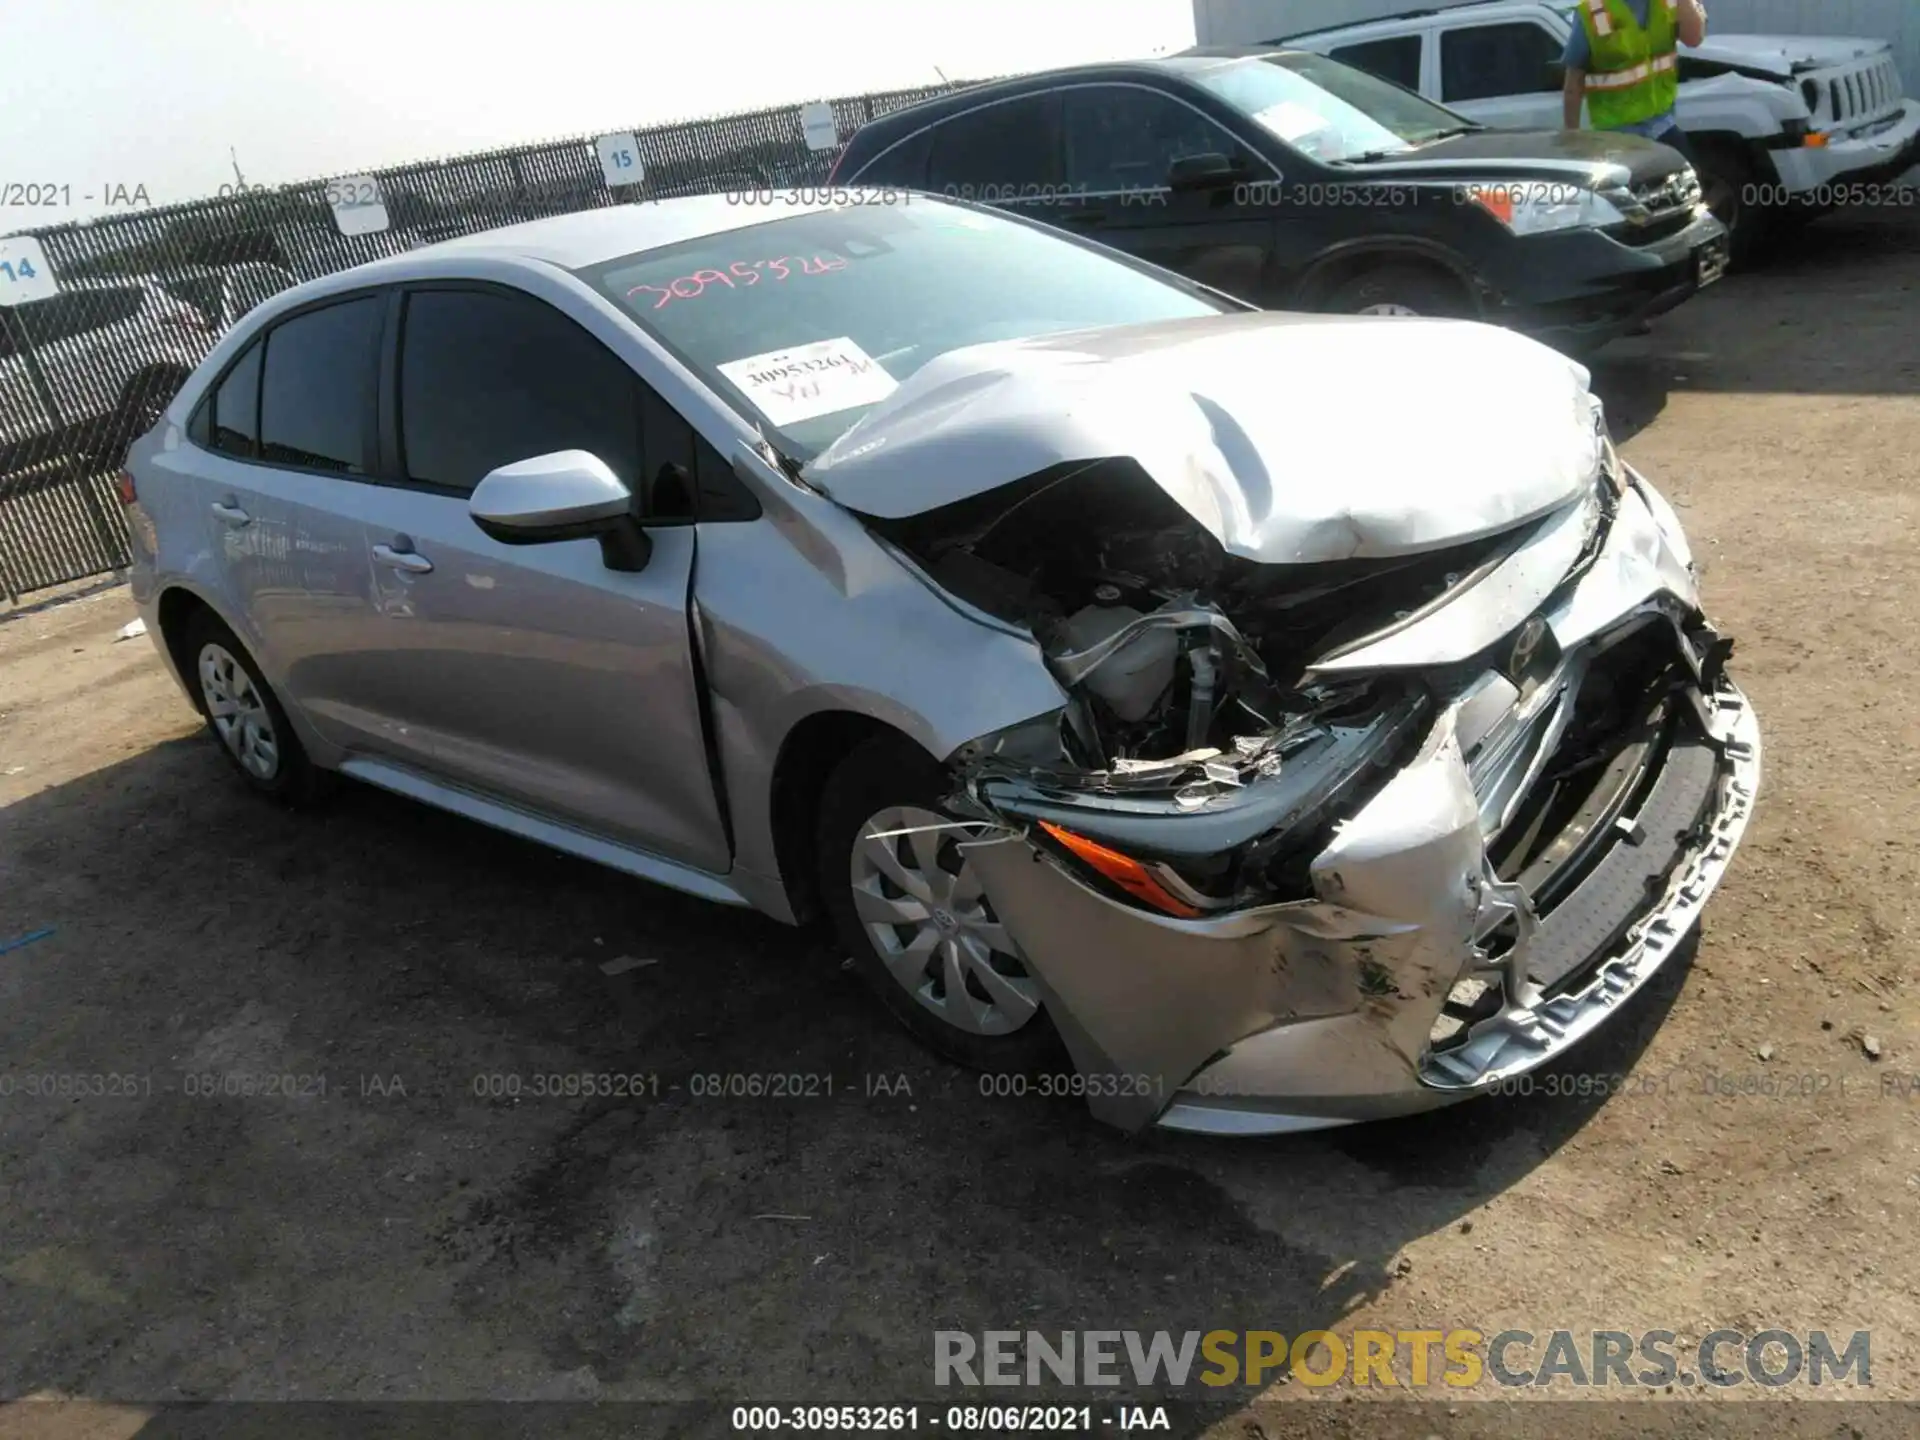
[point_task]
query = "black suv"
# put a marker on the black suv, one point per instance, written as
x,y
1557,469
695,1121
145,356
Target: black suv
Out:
x,y
1296,182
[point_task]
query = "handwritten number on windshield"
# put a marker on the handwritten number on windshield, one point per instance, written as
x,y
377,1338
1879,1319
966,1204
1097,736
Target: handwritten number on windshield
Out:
x,y
740,275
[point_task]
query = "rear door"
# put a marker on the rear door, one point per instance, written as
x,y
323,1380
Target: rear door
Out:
x,y
1120,141
1506,74
533,673
290,440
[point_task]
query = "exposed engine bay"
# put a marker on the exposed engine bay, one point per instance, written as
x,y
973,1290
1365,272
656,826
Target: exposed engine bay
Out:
x,y
1170,646
1189,676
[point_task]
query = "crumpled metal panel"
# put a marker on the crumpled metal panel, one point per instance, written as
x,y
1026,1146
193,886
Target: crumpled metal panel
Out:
x,y
1144,1001
1290,438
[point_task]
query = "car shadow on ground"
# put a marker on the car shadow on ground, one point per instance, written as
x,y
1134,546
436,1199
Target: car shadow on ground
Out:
x,y
756,1183
1836,330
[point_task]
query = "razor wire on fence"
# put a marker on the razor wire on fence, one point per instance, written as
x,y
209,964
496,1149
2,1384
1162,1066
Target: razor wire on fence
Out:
x,y
102,321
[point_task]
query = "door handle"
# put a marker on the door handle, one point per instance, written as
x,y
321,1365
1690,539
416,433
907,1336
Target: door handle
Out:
x,y
407,560
230,513
1083,215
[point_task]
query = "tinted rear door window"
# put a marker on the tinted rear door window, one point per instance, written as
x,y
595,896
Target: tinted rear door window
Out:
x,y
488,379
316,395
999,151
1397,59
235,421
1490,62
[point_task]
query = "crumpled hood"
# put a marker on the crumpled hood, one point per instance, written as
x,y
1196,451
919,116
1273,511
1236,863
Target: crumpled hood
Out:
x,y
1291,438
1783,54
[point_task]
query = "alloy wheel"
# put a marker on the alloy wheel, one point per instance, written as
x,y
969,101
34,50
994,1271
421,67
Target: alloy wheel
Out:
x,y
921,903
1390,307
239,714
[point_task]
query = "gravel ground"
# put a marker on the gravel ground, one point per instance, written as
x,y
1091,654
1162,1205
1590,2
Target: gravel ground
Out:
x,y
391,1230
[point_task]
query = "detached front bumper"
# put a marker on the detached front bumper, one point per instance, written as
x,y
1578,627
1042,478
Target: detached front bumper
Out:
x,y
1335,1009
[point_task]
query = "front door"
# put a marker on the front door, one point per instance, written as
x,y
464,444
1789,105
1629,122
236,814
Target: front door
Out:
x,y
532,673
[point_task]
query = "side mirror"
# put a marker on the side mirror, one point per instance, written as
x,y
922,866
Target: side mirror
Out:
x,y
568,495
1212,171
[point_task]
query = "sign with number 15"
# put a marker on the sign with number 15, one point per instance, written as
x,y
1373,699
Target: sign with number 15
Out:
x,y
619,160
24,272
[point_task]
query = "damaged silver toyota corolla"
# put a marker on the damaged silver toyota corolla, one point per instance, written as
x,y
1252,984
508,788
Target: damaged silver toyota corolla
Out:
x,y
1304,719
1396,750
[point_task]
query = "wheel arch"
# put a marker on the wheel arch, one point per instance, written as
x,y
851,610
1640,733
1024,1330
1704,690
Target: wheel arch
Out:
x,y
174,611
1332,268
808,754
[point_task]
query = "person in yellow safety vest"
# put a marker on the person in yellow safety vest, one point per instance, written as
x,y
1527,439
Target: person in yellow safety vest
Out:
x,y
1623,65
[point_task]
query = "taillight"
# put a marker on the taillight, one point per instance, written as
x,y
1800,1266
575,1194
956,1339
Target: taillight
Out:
x,y
129,495
834,173
1123,870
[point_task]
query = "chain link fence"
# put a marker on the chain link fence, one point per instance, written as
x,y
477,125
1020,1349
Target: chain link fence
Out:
x,y
112,315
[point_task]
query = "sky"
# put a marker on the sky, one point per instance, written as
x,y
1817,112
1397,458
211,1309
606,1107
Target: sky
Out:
x,y
100,99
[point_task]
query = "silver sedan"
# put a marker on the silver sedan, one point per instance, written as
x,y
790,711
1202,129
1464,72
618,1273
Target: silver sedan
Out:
x,y
1279,720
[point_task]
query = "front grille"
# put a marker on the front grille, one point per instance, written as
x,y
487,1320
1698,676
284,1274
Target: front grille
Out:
x,y
1592,773
1864,94
1659,209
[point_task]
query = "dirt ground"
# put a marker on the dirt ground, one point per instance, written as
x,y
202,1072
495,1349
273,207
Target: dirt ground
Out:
x,y
393,1231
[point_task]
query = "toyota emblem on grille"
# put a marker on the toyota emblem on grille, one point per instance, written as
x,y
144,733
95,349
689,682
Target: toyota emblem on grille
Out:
x,y
1525,645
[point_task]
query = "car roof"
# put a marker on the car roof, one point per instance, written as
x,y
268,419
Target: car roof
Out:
x,y
589,237
573,241
1186,65
1388,22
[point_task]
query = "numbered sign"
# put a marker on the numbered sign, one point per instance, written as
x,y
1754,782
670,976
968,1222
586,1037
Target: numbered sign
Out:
x,y
358,206
24,272
818,125
619,160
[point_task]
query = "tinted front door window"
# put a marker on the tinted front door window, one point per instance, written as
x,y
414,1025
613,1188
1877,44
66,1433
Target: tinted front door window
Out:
x,y
316,396
488,379
1120,137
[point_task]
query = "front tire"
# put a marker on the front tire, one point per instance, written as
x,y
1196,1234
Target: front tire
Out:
x,y
1727,177
910,911
244,715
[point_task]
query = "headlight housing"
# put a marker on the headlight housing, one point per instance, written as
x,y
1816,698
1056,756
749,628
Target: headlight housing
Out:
x,y
1538,207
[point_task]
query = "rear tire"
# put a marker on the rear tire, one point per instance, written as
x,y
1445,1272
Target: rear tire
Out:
x,y
243,714
1406,290
910,912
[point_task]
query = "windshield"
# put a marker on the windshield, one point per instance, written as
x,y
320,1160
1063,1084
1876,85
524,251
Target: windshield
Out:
x,y
808,321
1329,111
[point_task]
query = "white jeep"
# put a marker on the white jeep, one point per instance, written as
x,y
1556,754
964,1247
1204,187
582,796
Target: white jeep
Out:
x,y
1786,126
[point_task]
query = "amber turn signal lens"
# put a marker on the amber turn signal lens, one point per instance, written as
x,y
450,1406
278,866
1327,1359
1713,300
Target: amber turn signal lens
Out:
x,y
124,485
1123,870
